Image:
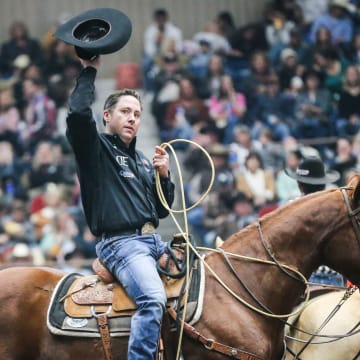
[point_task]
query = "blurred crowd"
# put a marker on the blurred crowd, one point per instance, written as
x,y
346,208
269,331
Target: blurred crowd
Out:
x,y
259,97
41,220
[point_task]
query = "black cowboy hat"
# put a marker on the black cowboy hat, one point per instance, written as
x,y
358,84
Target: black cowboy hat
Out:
x,y
311,170
96,31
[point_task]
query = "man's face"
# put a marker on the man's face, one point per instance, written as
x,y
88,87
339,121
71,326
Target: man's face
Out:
x,y
124,119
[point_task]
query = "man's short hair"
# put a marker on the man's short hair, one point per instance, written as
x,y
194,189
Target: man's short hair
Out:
x,y
112,99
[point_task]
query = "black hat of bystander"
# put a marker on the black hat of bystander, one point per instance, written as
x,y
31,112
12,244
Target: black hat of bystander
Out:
x,y
311,170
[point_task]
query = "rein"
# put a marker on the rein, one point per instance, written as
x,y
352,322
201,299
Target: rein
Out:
x,y
352,213
272,256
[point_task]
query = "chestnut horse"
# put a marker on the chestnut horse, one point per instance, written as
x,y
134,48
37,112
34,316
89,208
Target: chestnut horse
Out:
x,y
344,319
321,228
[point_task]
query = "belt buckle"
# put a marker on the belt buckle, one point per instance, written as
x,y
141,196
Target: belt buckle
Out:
x,y
148,228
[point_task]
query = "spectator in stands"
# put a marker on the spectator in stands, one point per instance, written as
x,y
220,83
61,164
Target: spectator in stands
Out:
x,y
352,51
20,43
322,41
332,66
17,223
22,69
337,20
258,184
286,187
277,33
244,42
226,23
85,244
209,84
12,171
290,9
160,37
227,109
344,159
348,117
10,120
312,109
356,149
240,148
300,46
51,199
195,160
241,214
185,116
289,97
60,61
199,61
45,167
58,240
270,151
200,181
211,33
269,111
166,87
40,114
247,39
289,68
217,205
255,82
312,10
59,71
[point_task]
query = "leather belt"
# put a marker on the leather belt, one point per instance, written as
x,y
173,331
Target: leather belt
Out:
x,y
147,228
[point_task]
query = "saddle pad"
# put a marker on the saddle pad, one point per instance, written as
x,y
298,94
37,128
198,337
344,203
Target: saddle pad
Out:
x,y
61,323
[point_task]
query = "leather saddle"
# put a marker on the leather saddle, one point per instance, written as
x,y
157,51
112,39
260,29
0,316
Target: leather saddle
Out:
x,y
101,293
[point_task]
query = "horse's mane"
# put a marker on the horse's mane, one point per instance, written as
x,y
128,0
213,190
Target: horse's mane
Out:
x,y
287,211
296,203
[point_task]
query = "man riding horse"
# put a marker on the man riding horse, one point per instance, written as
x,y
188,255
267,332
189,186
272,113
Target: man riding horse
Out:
x,y
117,181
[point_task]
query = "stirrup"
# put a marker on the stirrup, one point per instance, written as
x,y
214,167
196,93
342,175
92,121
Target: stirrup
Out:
x,y
178,243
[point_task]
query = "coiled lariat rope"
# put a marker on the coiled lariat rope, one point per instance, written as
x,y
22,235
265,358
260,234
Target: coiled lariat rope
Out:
x,y
189,246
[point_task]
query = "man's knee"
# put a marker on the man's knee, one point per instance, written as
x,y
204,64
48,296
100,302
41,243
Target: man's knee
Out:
x,y
156,303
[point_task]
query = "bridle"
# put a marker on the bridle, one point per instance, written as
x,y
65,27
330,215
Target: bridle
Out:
x,y
352,213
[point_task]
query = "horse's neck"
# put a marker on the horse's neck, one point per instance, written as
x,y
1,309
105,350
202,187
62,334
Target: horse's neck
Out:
x,y
296,233
291,236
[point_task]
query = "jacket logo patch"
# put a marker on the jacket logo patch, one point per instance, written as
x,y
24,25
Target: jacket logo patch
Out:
x,y
126,174
122,160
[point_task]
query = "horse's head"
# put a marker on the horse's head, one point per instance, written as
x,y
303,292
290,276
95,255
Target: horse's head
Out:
x,y
342,251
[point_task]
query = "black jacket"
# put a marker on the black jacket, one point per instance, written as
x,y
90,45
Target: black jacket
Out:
x,y
117,183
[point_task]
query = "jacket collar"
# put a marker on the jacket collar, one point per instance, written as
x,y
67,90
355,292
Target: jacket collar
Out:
x,y
117,142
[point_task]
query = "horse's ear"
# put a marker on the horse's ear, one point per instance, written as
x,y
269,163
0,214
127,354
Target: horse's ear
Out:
x,y
355,183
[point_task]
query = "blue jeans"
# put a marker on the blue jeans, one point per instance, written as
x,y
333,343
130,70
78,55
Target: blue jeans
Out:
x,y
132,260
